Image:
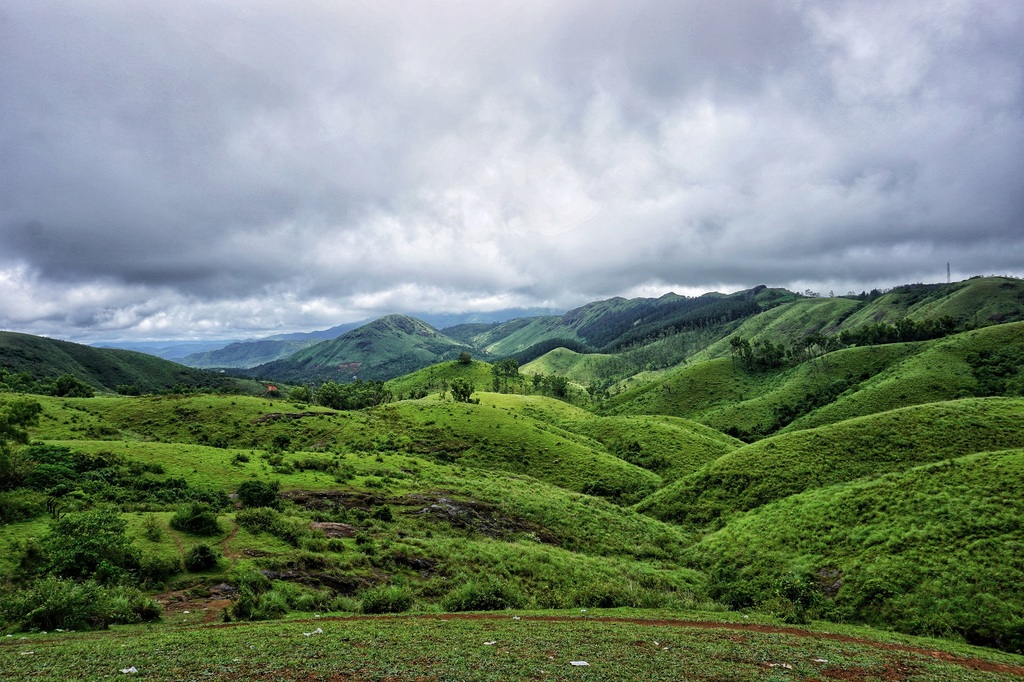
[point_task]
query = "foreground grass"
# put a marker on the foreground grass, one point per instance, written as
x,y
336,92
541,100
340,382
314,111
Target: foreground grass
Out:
x,y
615,645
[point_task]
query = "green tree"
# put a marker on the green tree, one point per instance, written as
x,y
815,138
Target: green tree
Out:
x,y
258,494
505,371
465,358
90,544
330,394
15,417
461,390
300,394
69,386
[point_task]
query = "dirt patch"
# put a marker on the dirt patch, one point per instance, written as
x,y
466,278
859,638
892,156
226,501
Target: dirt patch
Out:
x,y
334,530
478,517
328,500
345,584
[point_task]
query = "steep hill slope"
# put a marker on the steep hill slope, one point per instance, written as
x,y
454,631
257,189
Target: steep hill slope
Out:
x,y
788,464
835,386
978,301
103,368
932,550
385,348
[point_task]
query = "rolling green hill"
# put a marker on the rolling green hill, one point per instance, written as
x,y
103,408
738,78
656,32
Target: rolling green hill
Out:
x,y
787,464
935,549
731,452
383,349
246,354
106,369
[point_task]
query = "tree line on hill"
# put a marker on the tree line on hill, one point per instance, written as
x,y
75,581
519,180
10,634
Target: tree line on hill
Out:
x,y
764,355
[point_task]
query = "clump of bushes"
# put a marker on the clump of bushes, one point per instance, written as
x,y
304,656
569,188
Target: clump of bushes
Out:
x,y
259,494
52,602
483,594
260,599
387,599
196,519
200,558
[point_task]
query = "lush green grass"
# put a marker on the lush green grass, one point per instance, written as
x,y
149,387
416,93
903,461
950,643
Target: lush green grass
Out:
x,y
787,464
938,370
537,646
430,380
977,302
483,435
103,368
841,385
933,550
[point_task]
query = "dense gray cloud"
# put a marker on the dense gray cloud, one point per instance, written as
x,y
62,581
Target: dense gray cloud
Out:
x,y
207,169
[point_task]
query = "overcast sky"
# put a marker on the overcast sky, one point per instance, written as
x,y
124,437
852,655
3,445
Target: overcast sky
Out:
x,y
208,169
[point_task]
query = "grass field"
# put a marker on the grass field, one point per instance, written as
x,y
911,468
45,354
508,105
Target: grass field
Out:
x,y
514,645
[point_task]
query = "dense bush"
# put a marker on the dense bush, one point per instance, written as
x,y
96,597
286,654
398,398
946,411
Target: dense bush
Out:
x,y
51,603
20,505
387,599
196,519
483,594
200,558
258,494
90,544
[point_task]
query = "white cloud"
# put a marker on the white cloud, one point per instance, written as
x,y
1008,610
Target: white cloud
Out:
x,y
202,169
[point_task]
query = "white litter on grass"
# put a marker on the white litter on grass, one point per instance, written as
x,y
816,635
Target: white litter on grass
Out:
x,y
516,618
578,663
583,610
820,660
490,643
130,671
318,631
184,611
27,653
787,666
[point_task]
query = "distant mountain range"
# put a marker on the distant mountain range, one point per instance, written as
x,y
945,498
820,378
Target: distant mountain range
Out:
x,y
601,342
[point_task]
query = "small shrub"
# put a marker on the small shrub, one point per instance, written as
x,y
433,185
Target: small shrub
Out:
x,y
201,558
382,513
152,529
387,599
156,570
258,519
20,505
484,594
196,519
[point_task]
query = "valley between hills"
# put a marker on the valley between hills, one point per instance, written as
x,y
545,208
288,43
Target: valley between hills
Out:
x,y
830,484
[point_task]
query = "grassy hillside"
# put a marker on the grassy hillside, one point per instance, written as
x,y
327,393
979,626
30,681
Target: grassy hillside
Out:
x,y
839,385
936,549
246,354
482,436
788,464
383,349
977,363
106,369
873,484
430,380
979,301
